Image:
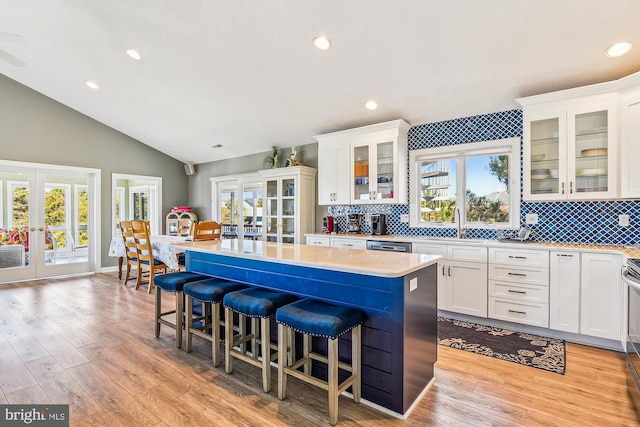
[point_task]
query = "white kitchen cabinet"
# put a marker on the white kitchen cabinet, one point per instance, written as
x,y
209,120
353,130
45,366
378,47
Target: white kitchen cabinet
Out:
x,y
288,203
570,150
519,286
375,171
601,295
630,147
348,243
564,291
462,277
318,241
333,173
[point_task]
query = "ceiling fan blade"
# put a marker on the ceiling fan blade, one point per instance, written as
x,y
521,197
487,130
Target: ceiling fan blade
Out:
x,y
11,59
10,37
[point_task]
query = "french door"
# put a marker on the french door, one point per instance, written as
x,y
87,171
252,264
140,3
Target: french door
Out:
x,y
48,221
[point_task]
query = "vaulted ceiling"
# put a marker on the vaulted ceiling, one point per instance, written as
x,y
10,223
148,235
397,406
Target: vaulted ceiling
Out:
x,y
244,74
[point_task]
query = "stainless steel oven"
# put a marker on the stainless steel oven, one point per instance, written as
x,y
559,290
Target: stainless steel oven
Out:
x,y
631,277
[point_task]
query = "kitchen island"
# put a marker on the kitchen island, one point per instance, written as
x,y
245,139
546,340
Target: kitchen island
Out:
x,y
397,293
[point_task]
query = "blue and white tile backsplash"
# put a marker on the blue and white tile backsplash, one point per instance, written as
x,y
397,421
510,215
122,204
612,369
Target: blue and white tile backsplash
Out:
x,y
594,222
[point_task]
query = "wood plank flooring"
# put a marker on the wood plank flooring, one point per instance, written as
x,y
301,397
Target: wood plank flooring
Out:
x,y
89,342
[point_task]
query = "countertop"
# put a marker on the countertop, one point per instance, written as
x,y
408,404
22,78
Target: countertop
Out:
x,y
360,261
628,251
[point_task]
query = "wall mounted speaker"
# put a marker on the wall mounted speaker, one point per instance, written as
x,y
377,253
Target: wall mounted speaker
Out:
x,y
189,169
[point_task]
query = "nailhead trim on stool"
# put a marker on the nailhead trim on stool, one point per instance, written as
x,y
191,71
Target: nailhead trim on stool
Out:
x,y
256,303
316,318
209,292
173,282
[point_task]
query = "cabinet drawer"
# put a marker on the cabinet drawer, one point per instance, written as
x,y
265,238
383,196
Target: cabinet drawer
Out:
x,y
429,248
519,312
523,275
349,243
528,257
530,293
466,253
318,241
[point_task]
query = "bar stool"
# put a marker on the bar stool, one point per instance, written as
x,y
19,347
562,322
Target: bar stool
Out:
x,y
210,293
173,282
255,303
315,318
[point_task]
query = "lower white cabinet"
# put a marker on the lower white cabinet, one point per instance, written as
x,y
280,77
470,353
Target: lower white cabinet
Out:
x,y
601,295
564,291
462,277
339,242
318,241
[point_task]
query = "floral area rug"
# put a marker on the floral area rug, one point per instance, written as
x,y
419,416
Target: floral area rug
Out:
x,y
539,352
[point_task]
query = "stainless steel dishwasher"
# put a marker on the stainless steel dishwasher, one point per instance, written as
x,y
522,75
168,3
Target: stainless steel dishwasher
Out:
x,y
382,245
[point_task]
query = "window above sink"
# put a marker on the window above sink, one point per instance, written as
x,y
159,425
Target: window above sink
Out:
x,y
482,179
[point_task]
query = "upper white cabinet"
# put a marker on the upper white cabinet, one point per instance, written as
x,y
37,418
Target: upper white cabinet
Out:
x,y
570,152
288,203
580,144
363,165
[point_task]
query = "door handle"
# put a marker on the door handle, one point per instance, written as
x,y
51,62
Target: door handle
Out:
x,y
41,229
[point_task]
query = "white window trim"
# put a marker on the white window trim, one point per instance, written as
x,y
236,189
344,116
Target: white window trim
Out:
x,y
510,146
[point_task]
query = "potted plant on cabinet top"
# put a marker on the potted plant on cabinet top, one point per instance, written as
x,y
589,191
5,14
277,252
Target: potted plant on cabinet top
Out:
x,y
271,160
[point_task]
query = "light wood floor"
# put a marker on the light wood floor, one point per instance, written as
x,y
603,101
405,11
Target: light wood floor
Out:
x,y
89,342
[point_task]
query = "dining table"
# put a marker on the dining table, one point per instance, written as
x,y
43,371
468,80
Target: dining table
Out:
x,y
162,248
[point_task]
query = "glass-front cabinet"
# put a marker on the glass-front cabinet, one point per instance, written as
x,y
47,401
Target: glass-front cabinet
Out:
x,y
375,172
570,154
289,203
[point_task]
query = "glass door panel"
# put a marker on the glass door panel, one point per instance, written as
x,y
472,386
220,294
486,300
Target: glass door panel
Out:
x,y
384,170
361,188
15,226
591,152
273,210
252,210
545,157
229,214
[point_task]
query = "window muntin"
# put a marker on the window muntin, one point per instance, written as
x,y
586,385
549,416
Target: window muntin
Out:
x,y
473,177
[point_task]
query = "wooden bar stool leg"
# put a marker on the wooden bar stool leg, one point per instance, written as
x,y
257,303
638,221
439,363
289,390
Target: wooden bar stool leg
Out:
x,y
356,361
255,333
306,348
158,310
215,334
179,316
189,322
283,344
265,340
332,375
291,347
228,338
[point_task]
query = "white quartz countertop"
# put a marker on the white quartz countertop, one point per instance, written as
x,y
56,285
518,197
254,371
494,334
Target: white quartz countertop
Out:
x,y
360,261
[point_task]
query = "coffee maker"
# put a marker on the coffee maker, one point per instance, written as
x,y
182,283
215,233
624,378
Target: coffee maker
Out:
x,y
354,223
378,224
328,224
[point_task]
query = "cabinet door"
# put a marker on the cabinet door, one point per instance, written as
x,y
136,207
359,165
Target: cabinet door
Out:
x,y
564,291
288,214
630,146
592,152
361,191
544,150
435,249
467,288
601,301
272,210
333,174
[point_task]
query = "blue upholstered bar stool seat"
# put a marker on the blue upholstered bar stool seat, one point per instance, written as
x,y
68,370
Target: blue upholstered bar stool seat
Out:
x,y
174,283
255,303
316,318
210,293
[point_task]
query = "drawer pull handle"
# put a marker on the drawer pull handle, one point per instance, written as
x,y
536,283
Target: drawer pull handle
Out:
x,y
517,312
511,291
567,255
517,257
517,274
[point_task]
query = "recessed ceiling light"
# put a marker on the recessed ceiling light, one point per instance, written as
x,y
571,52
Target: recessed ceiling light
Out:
x,y
322,43
619,49
134,54
371,105
92,85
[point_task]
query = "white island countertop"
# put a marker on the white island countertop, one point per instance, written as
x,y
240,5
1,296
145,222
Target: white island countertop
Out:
x,y
360,261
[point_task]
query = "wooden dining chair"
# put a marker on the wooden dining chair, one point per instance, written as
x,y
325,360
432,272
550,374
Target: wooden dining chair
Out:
x,y
185,228
207,230
130,251
146,261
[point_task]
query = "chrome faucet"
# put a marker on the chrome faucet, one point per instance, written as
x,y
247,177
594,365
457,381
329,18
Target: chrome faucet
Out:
x,y
460,232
